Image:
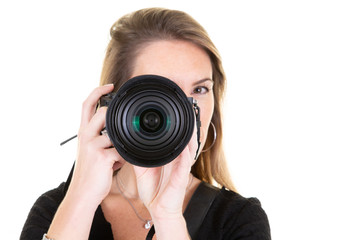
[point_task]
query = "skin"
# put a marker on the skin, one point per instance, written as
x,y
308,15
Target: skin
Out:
x,y
162,200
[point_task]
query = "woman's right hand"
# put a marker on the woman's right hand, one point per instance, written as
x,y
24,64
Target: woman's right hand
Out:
x,y
96,158
92,177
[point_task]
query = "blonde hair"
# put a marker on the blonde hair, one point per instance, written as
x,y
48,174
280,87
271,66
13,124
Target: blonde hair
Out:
x,y
134,31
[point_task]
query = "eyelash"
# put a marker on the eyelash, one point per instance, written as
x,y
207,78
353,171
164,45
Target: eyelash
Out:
x,y
202,88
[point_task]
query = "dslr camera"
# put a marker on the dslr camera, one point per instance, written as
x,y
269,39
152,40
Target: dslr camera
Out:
x,y
150,120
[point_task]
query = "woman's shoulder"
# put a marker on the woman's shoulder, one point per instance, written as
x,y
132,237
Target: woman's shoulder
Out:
x,y
233,200
232,216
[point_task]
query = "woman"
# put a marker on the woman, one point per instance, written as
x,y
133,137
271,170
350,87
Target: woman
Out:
x,y
108,198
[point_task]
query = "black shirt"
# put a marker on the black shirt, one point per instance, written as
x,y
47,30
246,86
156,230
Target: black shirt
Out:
x,y
230,216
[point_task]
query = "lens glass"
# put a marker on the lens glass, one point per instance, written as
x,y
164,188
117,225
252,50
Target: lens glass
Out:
x,y
150,121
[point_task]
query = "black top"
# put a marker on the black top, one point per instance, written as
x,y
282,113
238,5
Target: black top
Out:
x,y
231,216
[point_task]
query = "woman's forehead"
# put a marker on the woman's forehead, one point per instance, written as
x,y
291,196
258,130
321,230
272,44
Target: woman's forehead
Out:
x,y
177,60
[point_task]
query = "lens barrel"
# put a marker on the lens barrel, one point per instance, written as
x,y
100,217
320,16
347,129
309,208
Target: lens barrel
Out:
x,y
150,120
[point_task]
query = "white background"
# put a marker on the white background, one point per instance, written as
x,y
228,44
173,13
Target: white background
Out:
x,y
292,111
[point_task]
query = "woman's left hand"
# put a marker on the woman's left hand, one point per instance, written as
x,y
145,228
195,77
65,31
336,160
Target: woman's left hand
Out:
x,y
163,193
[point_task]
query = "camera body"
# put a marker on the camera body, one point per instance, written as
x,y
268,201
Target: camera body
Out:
x,y
150,120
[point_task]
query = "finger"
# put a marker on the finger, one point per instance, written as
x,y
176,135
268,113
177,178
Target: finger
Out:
x,y
88,107
144,173
139,171
102,141
114,157
182,167
148,182
97,123
179,168
194,144
117,165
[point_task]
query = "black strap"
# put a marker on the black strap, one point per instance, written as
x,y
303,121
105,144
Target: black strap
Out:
x,y
198,207
198,126
151,233
196,210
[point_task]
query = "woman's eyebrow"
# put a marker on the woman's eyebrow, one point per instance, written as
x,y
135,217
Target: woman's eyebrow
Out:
x,y
203,80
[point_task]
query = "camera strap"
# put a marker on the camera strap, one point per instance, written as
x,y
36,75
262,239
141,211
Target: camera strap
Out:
x,y
198,125
197,209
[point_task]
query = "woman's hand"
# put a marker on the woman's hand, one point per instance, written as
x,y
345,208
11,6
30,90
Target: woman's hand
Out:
x,y
96,158
163,190
92,177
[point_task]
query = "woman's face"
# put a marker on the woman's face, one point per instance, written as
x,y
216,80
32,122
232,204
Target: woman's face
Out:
x,y
188,66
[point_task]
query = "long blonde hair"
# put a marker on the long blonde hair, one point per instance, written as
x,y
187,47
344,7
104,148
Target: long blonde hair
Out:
x,y
134,31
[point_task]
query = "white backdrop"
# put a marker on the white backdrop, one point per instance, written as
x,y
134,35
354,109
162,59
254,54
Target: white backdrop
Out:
x,y
292,110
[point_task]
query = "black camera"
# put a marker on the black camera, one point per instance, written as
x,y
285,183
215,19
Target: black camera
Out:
x,y
150,120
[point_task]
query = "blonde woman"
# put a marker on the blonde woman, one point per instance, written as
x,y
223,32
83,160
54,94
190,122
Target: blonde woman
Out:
x,y
108,198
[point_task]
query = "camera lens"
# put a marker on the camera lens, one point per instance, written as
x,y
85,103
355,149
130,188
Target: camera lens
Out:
x,y
150,121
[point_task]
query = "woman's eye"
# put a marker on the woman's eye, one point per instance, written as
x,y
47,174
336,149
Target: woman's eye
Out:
x,y
201,90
